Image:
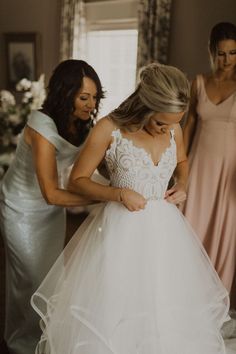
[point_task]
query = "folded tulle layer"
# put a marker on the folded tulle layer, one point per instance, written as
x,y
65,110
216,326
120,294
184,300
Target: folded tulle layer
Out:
x,y
132,283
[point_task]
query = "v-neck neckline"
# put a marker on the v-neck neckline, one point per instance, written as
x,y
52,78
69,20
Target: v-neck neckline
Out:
x,y
216,104
148,154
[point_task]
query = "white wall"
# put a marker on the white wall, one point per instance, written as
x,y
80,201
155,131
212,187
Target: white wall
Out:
x,y
191,21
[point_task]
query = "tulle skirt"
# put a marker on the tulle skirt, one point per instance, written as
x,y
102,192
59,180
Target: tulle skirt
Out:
x,y
132,283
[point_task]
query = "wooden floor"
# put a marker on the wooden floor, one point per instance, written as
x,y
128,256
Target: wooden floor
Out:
x,y
73,221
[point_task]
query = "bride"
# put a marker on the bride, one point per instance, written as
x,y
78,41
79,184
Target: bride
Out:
x,y
135,279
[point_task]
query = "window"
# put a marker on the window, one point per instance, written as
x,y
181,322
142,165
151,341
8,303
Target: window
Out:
x,y
109,44
113,55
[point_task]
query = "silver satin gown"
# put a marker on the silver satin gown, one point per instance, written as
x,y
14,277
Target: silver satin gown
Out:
x,y
33,232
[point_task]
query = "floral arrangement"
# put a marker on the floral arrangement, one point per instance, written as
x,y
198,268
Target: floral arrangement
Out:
x,y
14,114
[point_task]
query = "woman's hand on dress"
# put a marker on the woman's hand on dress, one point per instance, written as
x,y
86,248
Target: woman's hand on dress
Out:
x,y
132,200
177,194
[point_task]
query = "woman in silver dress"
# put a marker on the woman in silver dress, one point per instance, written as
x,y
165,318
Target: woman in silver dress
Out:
x,y
32,198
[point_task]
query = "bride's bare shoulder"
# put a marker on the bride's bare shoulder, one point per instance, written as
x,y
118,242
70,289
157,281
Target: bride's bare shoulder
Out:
x,y
105,124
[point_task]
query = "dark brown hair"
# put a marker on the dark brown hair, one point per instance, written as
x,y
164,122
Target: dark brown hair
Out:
x,y
64,84
220,32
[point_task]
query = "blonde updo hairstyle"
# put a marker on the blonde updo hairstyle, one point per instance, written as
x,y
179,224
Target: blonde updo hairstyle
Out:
x,y
161,88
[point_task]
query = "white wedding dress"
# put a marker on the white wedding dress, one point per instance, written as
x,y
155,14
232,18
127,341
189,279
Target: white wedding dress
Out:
x,y
133,282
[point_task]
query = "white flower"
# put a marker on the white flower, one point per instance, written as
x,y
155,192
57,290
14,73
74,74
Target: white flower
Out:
x,y
14,118
35,88
23,85
14,115
7,99
37,103
38,93
27,96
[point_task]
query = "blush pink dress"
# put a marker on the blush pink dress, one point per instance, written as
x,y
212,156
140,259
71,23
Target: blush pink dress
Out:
x,y
211,202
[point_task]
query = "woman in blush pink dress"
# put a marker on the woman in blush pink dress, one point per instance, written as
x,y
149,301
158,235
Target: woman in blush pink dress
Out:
x,y
210,139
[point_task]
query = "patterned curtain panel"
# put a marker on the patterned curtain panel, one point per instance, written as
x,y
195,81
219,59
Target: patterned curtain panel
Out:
x,y
72,27
153,35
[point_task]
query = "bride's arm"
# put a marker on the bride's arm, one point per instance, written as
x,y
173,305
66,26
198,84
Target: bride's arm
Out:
x,y
177,193
91,155
89,158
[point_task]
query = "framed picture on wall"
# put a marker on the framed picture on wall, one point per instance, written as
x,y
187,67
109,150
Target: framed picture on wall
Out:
x,y
22,56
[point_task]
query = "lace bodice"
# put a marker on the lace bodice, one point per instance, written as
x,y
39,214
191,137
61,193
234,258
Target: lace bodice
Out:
x,y
132,167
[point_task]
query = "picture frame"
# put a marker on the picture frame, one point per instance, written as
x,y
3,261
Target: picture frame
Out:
x,y
22,56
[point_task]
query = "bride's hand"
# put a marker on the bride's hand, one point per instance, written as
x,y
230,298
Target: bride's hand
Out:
x,y
176,194
132,200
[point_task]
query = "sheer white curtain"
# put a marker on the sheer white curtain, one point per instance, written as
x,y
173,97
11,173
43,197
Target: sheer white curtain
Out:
x,y
153,28
78,40
105,35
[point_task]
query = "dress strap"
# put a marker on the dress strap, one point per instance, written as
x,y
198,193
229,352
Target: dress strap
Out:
x,y
200,84
116,134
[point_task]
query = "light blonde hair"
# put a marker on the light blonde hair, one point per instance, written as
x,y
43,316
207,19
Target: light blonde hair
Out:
x,y
161,88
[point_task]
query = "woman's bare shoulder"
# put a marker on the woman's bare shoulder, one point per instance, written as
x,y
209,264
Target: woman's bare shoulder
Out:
x,y
105,124
177,129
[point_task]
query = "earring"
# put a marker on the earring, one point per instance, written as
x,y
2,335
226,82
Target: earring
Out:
x,y
93,115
